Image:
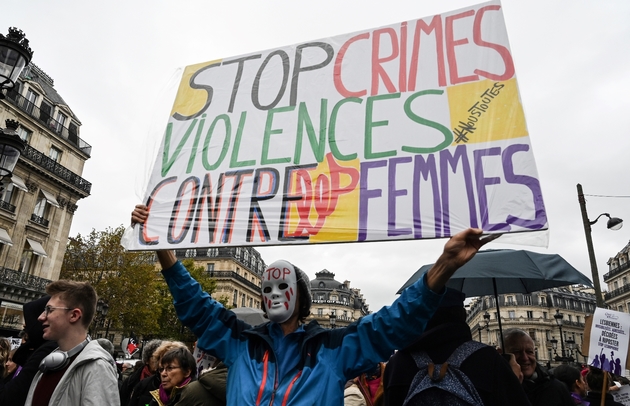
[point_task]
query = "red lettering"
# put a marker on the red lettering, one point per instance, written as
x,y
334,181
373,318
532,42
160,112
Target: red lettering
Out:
x,y
377,69
436,27
338,64
402,66
503,51
451,43
144,238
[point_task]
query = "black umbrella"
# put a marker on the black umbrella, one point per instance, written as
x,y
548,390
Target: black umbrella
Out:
x,y
250,315
495,272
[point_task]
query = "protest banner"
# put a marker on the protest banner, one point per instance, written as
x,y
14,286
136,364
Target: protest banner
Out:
x,y
608,340
622,395
409,131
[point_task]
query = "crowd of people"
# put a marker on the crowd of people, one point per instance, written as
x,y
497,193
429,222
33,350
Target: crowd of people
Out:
x,y
418,351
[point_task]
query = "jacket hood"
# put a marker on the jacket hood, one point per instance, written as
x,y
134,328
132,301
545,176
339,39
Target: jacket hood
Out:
x,y
32,310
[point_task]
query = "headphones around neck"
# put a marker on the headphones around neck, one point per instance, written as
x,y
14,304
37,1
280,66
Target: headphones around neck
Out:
x,y
57,360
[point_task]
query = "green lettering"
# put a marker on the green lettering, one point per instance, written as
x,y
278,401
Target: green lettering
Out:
x,y
332,139
448,135
226,142
369,124
167,162
193,152
304,121
234,162
265,160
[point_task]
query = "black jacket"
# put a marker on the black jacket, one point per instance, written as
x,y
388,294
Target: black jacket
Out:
x,y
488,371
545,390
141,395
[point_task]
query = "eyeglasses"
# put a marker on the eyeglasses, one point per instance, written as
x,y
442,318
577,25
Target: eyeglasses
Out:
x,y
168,369
49,309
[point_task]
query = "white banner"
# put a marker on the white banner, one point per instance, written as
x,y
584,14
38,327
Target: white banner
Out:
x,y
409,131
608,346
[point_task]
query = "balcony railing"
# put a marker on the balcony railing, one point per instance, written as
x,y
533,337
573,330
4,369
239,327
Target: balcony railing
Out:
x,y
44,117
618,270
52,166
233,275
617,292
22,280
7,206
39,220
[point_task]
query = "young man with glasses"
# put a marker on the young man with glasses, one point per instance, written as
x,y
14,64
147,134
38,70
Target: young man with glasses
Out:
x,y
80,371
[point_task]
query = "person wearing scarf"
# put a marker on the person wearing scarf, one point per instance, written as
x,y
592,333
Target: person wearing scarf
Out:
x,y
177,369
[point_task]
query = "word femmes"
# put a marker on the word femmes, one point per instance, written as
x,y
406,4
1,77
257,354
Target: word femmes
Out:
x,y
393,56
216,207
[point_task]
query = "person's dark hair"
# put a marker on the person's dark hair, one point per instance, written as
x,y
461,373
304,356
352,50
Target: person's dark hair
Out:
x,y
184,357
79,295
304,297
567,374
446,315
595,379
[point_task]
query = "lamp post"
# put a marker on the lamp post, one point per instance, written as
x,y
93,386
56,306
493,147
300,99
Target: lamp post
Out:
x,y
333,320
486,321
479,328
571,347
102,309
614,223
15,54
559,318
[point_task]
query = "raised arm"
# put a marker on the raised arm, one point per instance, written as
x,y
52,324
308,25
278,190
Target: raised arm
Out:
x,y
166,257
458,250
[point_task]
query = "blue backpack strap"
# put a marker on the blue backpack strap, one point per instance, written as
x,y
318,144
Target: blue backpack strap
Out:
x,y
430,375
464,351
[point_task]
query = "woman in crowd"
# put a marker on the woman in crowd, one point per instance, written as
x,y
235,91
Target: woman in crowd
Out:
x,y
5,352
141,395
595,381
573,380
177,369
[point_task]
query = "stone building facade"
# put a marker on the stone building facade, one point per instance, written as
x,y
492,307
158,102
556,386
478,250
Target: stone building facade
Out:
x,y
37,206
617,279
534,313
336,299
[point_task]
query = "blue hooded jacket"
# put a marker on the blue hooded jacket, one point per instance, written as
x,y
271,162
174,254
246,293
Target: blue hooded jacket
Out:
x,y
328,358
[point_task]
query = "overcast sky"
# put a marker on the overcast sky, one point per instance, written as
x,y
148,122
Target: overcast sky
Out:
x,y
114,64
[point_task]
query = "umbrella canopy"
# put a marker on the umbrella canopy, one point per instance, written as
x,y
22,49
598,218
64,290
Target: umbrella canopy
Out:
x,y
515,271
494,272
250,315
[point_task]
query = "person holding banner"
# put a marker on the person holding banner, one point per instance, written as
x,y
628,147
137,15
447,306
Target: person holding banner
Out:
x,y
287,362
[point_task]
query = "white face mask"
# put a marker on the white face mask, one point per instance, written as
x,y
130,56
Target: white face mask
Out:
x,y
279,291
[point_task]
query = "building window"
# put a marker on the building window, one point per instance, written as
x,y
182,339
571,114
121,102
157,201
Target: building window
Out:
x,y
243,300
320,312
510,300
624,281
620,308
333,297
544,315
25,134
190,253
543,301
615,285
548,334
530,314
512,314
212,252
55,154
210,267
235,299
527,300
570,318
7,193
345,315
31,97
532,334
577,318
251,302
40,207
27,262
61,120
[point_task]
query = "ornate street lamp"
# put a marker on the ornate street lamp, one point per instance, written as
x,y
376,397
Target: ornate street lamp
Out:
x,y
11,147
15,54
559,318
102,308
614,223
333,320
